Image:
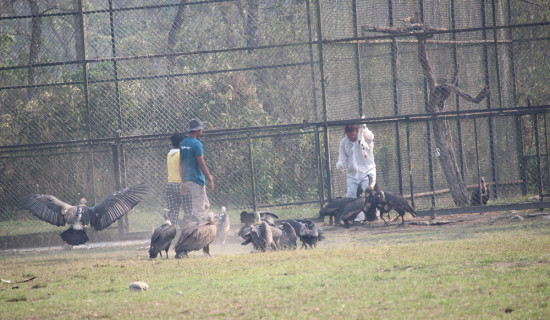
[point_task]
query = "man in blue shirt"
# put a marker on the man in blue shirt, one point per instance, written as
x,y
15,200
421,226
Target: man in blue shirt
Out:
x,y
193,170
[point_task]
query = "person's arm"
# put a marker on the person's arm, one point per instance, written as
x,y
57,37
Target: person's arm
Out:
x,y
204,169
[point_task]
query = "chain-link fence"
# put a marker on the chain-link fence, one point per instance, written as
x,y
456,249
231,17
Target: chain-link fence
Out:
x,y
90,92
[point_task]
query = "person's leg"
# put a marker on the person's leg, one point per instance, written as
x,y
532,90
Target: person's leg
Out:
x,y
173,201
360,191
352,189
186,204
198,200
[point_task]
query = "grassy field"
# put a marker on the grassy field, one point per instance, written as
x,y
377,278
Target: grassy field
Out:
x,y
490,270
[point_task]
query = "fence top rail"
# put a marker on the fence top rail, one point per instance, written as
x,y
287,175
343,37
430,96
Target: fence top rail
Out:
x,y
283,129
86,12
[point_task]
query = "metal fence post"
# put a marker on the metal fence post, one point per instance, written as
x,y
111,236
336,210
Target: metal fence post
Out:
x,y
357,59
521,156
411,188
311,62
252,170
537,150
319,168
488,99
428,134
323,96
121,223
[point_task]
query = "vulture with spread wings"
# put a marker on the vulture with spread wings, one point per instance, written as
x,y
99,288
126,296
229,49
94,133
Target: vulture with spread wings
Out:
x,y
52,210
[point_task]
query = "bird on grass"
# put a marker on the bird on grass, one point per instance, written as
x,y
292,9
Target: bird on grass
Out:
x,y
388,201
333,208
307,231
350,211
52,210
223,224
195,236
262,233
162,237
288,236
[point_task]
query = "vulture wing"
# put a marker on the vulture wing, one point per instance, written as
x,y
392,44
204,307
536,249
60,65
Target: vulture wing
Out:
x,y
163,235
114,206
45,207
247,218
264,214
314,227
297,225
398,203
288,237
350,209
195,236
276,234
262,235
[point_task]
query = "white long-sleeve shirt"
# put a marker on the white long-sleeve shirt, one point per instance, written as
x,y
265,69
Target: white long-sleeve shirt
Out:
x,y
351,156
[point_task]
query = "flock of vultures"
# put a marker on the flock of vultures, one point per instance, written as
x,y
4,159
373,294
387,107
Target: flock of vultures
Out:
x,y
264,234
258,228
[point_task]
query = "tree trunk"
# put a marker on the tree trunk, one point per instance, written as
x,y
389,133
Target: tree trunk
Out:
x,y
443,141
439,92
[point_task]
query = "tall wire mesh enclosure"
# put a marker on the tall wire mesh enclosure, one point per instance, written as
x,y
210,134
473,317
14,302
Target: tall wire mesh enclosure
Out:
x,y
90,92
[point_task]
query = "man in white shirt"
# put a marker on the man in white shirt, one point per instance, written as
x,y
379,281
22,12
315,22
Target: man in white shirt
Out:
x,y
356,154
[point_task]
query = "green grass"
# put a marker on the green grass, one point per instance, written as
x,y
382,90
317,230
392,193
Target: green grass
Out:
x,y
492,271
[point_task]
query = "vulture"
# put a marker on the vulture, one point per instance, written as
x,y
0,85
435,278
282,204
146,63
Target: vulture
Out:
x,y
333,208
113,207
288,236
223,224
262,233
388,201
371,205
195,236
350,211
248,218
162,237
480,195
308,232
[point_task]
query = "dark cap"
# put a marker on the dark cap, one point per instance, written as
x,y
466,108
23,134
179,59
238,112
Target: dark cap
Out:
x,y
196,124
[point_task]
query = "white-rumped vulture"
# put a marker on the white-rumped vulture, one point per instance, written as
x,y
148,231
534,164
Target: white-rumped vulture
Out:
x,y
113,207
162,237
388,201
195,236
223,225
308,232
288,236
262,233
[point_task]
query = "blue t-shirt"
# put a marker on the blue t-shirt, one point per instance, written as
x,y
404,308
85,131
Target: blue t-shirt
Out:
x,y
190,149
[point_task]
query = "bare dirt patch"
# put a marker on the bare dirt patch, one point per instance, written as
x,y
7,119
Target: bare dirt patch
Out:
x,y
423,223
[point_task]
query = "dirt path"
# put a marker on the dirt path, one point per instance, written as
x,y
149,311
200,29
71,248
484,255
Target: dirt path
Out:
x,y
233,242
